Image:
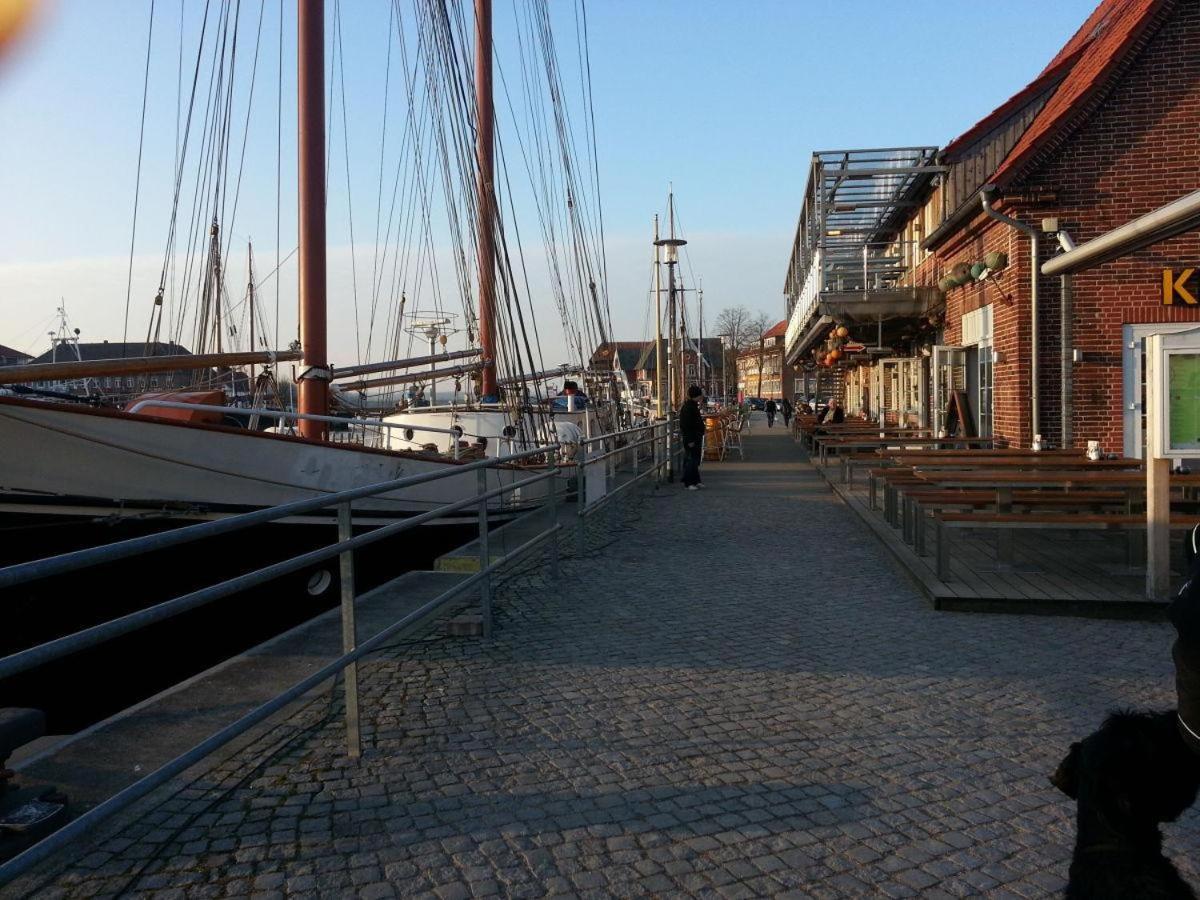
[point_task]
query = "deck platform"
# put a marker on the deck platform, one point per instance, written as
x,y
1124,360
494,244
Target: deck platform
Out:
x,y
1053,572
732,692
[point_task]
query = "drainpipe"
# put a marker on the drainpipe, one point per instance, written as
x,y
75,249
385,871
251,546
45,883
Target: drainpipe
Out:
x,y
985,197
1066,313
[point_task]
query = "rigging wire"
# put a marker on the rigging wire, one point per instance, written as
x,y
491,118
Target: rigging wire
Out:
x,y
137,190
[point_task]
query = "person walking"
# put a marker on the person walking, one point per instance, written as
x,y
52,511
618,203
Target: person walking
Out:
x,y
771,410
785,407
691,433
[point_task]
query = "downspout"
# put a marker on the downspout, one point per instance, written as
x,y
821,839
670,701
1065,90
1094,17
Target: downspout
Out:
x,y
985,197
1066,314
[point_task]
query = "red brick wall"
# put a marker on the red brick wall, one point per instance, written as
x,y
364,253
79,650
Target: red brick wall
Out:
x,y
1139,149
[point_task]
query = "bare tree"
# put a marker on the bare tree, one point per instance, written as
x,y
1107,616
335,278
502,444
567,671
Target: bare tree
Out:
x,y
758,325
735,324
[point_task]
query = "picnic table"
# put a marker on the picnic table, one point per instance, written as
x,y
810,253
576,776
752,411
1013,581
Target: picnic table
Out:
x,y
823,443
984,459
1005,482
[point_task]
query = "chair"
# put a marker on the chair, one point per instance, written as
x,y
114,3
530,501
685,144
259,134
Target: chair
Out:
x,y
733,436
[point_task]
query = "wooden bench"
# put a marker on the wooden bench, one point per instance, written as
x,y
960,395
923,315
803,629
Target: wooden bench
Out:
x,y
1131,524
916,505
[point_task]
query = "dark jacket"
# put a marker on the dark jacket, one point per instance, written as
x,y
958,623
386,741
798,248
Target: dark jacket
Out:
x,y
839,416
691,423
771,407
1185,616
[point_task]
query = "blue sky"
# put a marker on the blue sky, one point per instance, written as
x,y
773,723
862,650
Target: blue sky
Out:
x,y
726,100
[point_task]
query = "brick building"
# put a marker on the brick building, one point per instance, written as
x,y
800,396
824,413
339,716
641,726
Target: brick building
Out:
x,y
762,370
1104,134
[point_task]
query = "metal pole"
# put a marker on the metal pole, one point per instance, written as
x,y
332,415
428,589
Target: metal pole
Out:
x,y
314,376
658,339
484,149
485,557
552,507
349,631
580,499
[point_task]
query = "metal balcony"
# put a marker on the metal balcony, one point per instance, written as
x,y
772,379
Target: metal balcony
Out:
x,y
847,264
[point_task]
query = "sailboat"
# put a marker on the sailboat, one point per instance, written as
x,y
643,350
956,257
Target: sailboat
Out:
x,y
156,460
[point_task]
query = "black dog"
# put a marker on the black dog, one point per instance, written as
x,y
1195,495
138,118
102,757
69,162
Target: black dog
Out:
x,y
1129,776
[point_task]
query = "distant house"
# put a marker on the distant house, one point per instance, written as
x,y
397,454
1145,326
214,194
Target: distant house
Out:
x,y
704,368
11,357
761,370
235,383
628,353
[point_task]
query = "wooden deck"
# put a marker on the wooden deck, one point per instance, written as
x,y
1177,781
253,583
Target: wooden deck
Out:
x,y
1053,572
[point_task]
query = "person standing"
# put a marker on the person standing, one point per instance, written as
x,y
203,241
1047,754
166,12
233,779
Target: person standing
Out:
x,y
691,433
785,407
771,410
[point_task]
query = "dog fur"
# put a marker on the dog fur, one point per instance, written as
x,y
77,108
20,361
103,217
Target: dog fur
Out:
x,y
1132,774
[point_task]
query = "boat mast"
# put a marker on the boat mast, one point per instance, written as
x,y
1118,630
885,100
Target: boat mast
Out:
x,y
251,298
314,375
659,382
484,146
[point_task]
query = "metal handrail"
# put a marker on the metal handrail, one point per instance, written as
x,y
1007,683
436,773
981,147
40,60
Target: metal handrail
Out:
x,y
78,559
343,548
33,657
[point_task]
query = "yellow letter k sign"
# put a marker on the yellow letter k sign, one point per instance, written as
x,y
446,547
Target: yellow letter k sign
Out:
x,y
1173,287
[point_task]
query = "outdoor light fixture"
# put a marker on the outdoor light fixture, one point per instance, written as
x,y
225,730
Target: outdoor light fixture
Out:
x,y
834,232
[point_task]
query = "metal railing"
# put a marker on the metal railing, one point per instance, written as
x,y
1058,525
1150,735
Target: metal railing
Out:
x,y
343,548
616,447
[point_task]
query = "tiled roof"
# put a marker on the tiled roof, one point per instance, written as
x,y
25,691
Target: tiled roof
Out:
x,y
1091,56
778,330
112,350
1014,103
10,353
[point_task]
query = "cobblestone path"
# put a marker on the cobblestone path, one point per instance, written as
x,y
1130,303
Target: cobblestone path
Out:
x,y
737,696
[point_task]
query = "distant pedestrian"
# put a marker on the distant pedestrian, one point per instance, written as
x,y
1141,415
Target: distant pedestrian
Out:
x,y
785,407
691,432
771,410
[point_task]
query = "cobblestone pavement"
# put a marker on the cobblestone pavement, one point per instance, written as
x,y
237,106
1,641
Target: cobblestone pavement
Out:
x,y
738,696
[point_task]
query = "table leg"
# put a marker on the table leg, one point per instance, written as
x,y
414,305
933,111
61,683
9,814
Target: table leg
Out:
x,y
943,551
1004,536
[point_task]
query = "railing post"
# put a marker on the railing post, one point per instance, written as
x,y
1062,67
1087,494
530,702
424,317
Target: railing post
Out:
x,y
349,631
580,498
485,556
552,505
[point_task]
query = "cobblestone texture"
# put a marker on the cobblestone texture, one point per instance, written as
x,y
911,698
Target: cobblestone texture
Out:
x,y
737,696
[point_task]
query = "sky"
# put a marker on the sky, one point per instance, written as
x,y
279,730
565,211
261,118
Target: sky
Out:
x,y
722,101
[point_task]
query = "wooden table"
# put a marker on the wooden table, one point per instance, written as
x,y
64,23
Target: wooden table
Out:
x,y
1004,482
864,443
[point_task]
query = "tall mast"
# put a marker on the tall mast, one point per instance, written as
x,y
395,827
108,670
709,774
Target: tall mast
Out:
x,y
676,361
659,380
484,145
252,300
314,376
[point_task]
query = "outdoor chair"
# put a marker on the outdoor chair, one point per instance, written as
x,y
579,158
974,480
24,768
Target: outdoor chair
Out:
x,y
733,436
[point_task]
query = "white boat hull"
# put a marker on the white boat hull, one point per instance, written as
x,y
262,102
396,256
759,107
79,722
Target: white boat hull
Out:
x,y
58,458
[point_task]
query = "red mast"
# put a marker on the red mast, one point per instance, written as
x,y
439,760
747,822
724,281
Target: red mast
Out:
x,y
314,375
484,144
